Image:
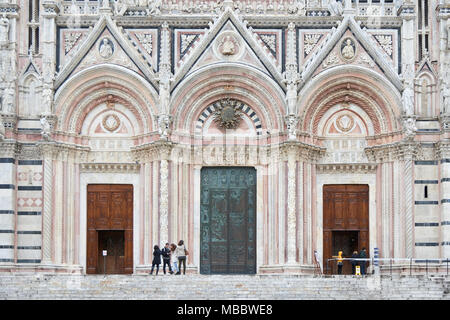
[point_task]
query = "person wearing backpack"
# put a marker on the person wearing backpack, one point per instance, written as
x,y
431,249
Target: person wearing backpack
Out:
x,y
181,253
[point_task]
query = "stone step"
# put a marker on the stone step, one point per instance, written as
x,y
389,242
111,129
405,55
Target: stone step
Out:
x,y
46,287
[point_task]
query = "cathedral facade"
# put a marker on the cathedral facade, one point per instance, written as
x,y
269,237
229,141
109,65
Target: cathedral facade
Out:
x,y
257,131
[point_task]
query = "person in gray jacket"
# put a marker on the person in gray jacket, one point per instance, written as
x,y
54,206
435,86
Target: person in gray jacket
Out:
x,y
181,253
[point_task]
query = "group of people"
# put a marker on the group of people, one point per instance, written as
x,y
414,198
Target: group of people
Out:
x,y
173,256
355,262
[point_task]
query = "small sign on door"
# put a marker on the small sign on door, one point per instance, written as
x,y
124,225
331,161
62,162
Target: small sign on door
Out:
x,y
105,253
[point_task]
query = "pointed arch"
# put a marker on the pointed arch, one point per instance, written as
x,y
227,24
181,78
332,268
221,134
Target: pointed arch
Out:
x,y
30,91
425,90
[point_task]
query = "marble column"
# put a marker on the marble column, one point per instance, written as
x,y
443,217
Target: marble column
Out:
x,y
47,210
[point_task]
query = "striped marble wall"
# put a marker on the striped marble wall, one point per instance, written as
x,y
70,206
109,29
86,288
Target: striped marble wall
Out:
x,y
7,209
29,211
426,208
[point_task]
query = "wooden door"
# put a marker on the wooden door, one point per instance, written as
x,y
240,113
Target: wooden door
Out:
x,y
345,216
113,244
228,221
109,208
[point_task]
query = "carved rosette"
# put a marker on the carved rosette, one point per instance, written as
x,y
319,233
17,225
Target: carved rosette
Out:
x,y
228,115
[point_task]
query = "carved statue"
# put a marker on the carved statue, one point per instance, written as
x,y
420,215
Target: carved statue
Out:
x,y
163,125
46,128
291,125
106,50
47,99
348,52
408,98
409,124
446,102
228,48
4,29
8,100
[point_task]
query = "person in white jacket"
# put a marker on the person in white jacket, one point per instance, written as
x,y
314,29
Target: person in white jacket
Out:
x,y
174,258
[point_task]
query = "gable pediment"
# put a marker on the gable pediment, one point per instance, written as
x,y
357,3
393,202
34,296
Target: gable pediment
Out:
x,y
228,40
105,44
366,52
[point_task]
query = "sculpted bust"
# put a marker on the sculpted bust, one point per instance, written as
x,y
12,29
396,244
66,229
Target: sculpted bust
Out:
x,y
348,52
228,47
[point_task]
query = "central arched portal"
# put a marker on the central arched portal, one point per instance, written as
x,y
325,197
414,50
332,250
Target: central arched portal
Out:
x,y
228,220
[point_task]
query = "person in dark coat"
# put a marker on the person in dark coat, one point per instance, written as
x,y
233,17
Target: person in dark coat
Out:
x,y
156,259
166,258
354,262
362,263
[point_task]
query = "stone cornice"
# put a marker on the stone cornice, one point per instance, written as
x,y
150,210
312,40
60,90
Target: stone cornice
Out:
x,y
443,11
347,168
302,151
11,10
61,151
110,167
158,150
394,151
8,148
443,150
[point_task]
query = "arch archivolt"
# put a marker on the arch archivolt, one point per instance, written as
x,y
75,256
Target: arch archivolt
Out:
x,y
201,89
373,98
105,84
108,96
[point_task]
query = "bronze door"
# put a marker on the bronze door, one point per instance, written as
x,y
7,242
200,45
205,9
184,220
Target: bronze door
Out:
x,y
109,208
228,221
345,222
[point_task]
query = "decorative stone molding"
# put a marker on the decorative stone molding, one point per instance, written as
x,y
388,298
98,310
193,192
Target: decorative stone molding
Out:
x,y
110,167
347,168
29,151
61,151
303,151
158,150
9,149
394,151
443,150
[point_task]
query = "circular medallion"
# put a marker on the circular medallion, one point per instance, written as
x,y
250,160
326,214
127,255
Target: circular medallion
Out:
x,y
345,122
348,49
228,114
111,122
106,48
228,46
